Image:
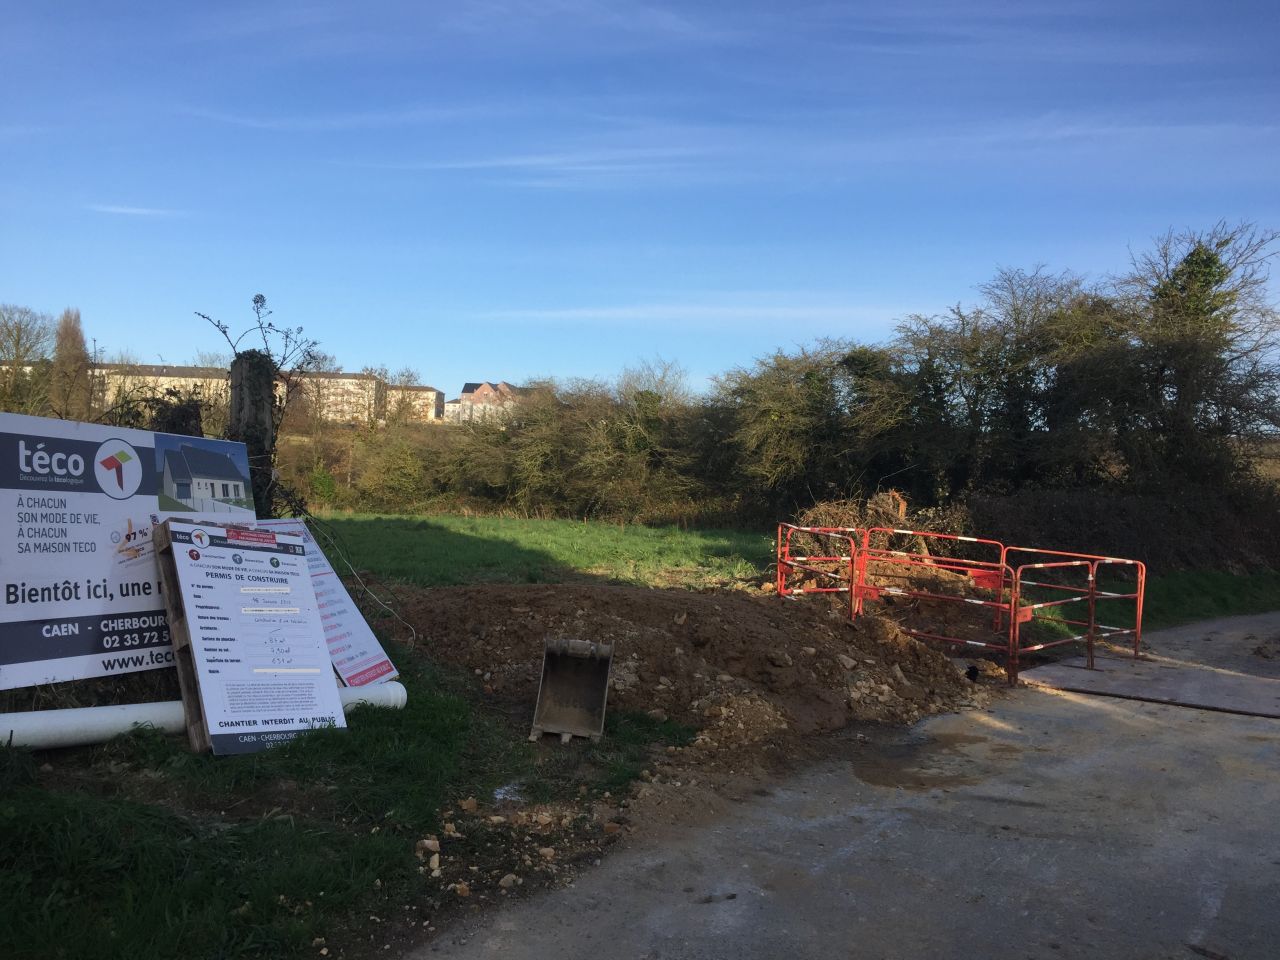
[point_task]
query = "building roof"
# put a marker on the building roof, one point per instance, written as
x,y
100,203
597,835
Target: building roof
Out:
x,y
503,390
176,372
198,462
335,375
177,465
164,370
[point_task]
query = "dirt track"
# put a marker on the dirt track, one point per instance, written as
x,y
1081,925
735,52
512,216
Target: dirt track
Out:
x,y
1049,826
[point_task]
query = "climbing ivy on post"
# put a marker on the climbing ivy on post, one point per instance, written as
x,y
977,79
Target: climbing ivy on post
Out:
x,y
252,420
263,382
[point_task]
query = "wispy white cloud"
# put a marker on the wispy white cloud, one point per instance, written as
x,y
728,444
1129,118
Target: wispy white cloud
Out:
x,y
334,122
20,131
571,167
1012,33
810,151
332,28
622,16
225,22
122,210
542,110
587,161
1011,138
722,311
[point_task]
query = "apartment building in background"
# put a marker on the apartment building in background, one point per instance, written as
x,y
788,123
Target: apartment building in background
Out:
x,y
482,401
336,397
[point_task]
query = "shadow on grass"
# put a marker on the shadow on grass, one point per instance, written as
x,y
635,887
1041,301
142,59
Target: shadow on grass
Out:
x,y
432,554
413,551
140,849
446,550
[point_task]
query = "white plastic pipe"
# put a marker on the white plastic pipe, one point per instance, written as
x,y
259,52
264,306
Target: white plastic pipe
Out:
x,y
45,729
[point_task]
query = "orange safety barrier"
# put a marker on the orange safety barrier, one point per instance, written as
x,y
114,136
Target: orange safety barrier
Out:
x,y
981,587
829,570
1089,593
1012,591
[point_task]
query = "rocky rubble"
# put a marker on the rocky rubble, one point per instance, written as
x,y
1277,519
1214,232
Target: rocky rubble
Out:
x,y
483,855
742,668
751,674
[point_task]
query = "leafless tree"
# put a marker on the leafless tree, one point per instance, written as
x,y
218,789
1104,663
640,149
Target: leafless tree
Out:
x,y
26,336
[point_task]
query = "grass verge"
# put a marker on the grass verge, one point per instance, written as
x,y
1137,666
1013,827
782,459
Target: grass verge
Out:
x,y
1187,596
140,849
447,550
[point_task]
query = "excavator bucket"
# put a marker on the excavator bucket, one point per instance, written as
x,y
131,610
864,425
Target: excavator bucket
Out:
x,y
573,690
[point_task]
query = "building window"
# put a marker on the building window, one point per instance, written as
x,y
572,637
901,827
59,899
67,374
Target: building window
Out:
x,y
226,490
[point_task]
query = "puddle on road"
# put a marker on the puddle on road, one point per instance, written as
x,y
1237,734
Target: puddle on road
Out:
x,y
923,763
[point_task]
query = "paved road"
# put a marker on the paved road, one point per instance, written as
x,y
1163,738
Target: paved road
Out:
x,y
1246,644
1231,664
1053,825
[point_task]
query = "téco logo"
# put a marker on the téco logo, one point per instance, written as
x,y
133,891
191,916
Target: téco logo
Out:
x,y
118,469
45,463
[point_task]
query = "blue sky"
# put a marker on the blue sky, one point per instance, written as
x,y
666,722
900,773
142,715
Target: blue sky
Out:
x,y
508,190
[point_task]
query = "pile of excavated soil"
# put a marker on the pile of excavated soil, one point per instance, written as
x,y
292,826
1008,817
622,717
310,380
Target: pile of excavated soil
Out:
x,y
739,666
751,672
960,618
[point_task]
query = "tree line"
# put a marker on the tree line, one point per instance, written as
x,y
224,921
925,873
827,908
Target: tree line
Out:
x,y
45,367
1162,379
47,370
1164,375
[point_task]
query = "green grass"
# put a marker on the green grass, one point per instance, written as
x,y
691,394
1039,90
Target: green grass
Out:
x,y
444,550
168,503
140,849
152,851
608,766
1184,597
93,877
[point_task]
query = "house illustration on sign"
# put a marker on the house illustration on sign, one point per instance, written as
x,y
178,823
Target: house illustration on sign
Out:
x,y
203,479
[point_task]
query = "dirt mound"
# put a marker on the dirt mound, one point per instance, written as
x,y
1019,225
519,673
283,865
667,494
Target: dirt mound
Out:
x,y
965,621
740,667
